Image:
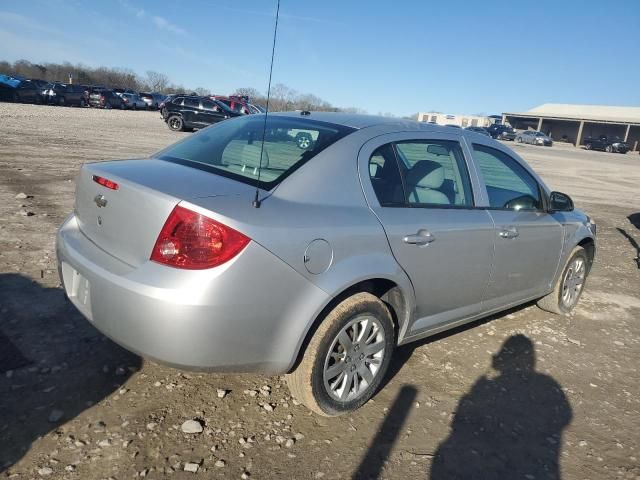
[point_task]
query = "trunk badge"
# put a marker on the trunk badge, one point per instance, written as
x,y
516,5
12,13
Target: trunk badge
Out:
x,y
100,201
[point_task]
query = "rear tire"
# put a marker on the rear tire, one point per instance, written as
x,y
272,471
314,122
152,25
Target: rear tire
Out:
x,y
570,284
346,358
62,102
587,146
609,149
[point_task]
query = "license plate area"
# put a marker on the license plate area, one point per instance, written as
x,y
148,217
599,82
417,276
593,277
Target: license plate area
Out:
x,y
78,289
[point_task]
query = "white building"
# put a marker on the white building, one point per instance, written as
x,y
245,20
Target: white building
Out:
x,y
459,120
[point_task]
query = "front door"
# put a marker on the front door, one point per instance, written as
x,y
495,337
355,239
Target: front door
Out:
x,y
422,195
211,113
528,240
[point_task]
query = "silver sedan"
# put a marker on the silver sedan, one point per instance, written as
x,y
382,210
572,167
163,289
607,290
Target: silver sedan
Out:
x,y
226,253
533,137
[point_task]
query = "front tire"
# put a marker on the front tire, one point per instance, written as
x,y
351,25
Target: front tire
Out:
x,y
347,357
587,146
609,149
176,123
570,285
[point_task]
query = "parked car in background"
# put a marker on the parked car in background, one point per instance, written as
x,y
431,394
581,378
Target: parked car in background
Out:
x,y
133,101
501,132
153,100
8,86
64,94
169,257
101,98
239,103
188,112
533,137
27,91
606,144
480,130
120,91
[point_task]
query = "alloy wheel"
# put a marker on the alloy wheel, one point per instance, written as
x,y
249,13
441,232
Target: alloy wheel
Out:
x,y
573,282
354,358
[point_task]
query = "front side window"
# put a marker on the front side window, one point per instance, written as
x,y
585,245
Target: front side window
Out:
x,y
233,148
209,105
508,183
434,173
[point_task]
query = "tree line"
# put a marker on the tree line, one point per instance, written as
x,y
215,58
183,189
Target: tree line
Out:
x,y
282,98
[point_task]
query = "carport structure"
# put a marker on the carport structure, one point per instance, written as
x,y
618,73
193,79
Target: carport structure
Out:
x,y
574,123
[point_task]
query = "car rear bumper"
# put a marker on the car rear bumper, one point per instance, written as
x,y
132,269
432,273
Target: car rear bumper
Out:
x,y
248,315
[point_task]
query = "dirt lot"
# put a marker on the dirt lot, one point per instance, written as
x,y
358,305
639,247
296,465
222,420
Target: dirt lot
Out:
x,y
80,407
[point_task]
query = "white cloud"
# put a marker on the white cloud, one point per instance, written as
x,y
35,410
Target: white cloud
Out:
x,y
164,24
160,22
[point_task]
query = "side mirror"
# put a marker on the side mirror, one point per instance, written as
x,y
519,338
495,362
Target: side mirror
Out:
x,y
560,202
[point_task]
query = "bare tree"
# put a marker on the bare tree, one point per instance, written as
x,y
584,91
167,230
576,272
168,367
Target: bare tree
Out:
x,y
156,81
203,92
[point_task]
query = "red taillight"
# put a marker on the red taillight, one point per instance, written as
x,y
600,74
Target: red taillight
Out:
x,y
106,183
192,241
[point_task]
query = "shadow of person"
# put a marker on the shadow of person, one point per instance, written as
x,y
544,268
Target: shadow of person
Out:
x,y
53,365
633,243
509,426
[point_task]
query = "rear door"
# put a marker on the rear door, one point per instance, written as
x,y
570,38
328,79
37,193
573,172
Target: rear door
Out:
x,y
528,240
191,112
421,189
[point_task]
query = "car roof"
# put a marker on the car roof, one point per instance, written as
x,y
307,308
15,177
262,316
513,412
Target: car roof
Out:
x,y
356,121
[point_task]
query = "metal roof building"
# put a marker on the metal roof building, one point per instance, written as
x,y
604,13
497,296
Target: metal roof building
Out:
x,y
574,123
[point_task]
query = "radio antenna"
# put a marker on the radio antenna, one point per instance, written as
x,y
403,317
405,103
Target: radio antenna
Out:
x,y
256,200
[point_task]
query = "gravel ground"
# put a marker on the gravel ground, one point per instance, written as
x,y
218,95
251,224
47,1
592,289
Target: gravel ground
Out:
x,y
83,408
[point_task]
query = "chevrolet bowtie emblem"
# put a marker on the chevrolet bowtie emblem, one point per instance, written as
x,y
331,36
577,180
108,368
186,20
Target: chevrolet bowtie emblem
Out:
x,y
100,201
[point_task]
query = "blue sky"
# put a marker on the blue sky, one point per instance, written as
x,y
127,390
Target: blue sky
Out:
x,y
398,56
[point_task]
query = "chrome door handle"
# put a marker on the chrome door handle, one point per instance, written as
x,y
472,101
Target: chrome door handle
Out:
x,y
422,237
510,232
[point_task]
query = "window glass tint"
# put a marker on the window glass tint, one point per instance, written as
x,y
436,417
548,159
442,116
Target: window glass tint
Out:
x,y
509,185
209,105
233,148
192,102
435,173
385,177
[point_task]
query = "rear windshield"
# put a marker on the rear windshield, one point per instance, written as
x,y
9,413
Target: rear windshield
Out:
x,y
232,148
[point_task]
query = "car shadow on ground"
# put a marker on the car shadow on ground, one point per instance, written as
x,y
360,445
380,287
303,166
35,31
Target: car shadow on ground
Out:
x,y
55,365
634,219
507,426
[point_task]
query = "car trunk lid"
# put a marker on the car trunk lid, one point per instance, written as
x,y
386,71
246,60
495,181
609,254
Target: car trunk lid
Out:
x,y
125,220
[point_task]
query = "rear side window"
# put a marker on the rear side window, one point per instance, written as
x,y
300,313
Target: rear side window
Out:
x,y
435,173
233,148
508,183
385,177
192,102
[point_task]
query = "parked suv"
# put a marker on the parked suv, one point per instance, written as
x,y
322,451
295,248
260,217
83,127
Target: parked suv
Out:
x,y
64,94
133,101
223,253
105,99
28,91
501,132
189,112
607,144
153,100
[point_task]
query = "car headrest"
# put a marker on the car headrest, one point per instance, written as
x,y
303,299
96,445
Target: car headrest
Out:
x,y
426,174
